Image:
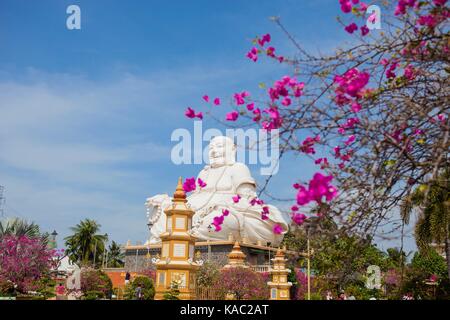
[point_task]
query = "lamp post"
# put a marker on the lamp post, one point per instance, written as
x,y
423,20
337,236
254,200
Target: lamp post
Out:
x,y
209,246
105,257
311,225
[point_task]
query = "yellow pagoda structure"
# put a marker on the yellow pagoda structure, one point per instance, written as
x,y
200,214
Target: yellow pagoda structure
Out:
x,y
279,286
236,258
176,264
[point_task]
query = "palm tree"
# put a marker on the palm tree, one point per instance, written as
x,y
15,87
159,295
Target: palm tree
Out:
x,y
433,224
19,228
115,256
86,245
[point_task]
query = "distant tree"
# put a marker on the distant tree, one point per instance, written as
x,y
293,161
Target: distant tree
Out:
x,y
86,244
424,266
115,256
19,227
433,224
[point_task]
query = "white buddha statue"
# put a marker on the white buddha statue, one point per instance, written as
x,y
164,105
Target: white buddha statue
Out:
x,y
224,178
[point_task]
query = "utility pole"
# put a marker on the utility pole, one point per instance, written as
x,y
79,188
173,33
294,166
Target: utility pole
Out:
x,y
2,200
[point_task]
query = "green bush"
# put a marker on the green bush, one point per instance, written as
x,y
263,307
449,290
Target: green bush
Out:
x,y
173,293
148,288
93,295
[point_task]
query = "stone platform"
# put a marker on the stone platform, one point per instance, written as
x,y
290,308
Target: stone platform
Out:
x,y
139,257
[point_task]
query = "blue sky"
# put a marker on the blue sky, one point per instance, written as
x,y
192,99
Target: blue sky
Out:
x,y
86,115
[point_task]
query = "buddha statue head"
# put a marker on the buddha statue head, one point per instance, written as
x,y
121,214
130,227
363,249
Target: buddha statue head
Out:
x,y
222,151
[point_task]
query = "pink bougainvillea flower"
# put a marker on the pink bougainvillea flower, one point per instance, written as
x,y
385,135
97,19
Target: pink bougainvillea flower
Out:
x,y
190,113
296,186
206,98
225,212
323,162
402,5
236,198
265,213
428,20
439,2
201,183
350,140
363,6
390,71
286,102
303,196
356,107
364,30
216,101
189,184
410,72
232,116
255,201
441,117
351,83
308,145
253,54
251,106
351,28
294,208
270,51
320,186
384,62
240,97
257,115
265,39
298,218
277,229
346,6
218,220
337,151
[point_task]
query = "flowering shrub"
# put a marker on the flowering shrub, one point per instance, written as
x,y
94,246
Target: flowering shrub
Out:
x,y
95,284
149,273
243,284
23,261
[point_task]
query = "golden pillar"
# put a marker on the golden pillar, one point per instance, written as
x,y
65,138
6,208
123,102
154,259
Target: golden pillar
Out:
x,y
279,286
176,264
